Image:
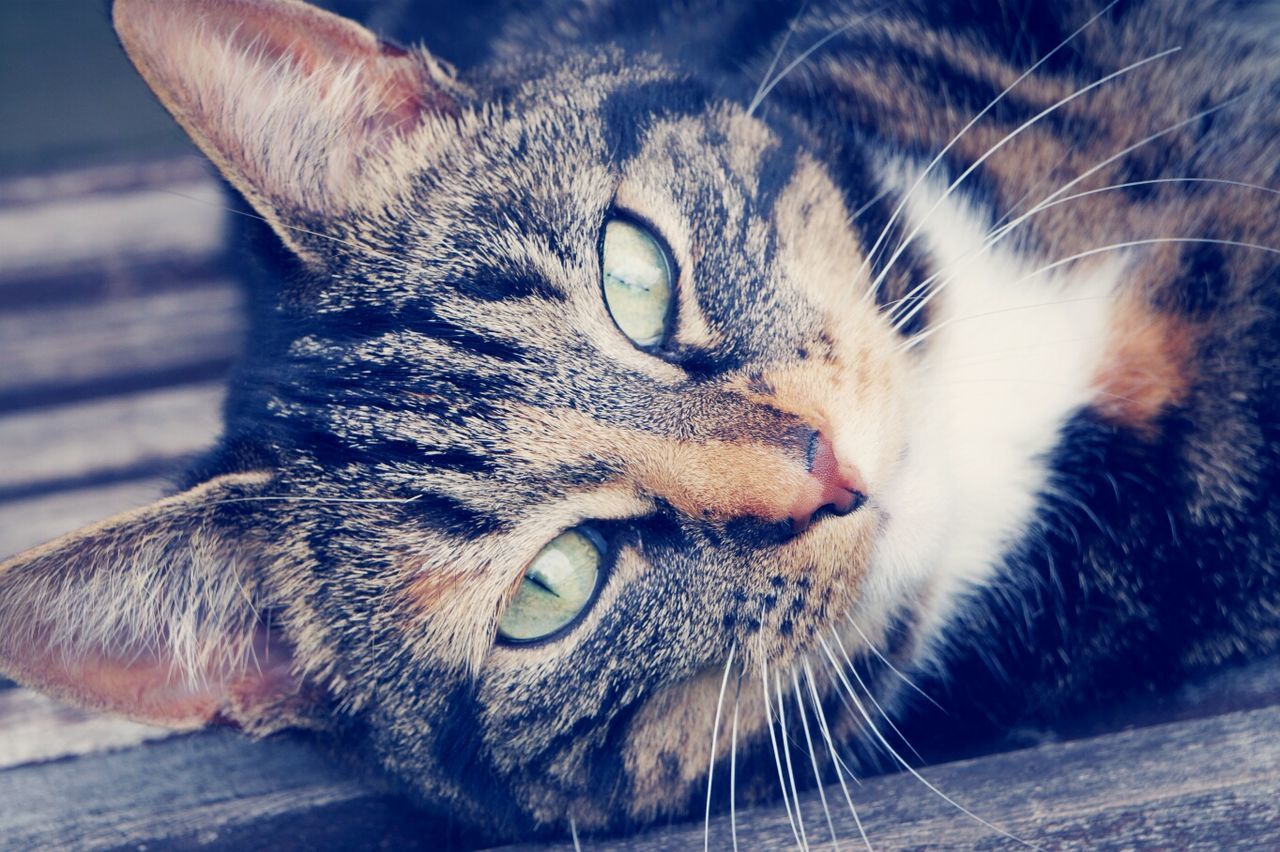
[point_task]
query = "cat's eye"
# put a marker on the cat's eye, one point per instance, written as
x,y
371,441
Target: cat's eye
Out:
x,y
637,282
557,587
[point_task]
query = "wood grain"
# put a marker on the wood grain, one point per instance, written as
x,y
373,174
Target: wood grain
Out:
x,y
1206,783
211,790
85,440
97,347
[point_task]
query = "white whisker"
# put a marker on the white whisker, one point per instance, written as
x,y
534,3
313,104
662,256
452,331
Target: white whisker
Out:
x,y
355,246
786,752
1123,152
831,747
1042,206
777,56
803,57
284,498
813,758
1150,241
1009,137
715,732
908,681
893,218
866,717
773,740
930,332
871,696
733,769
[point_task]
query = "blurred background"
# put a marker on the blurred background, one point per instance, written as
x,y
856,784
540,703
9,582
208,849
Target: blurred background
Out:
x,y
69,96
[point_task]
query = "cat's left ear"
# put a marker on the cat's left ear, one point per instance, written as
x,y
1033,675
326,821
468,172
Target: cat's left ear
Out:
x,y
305,112
160,615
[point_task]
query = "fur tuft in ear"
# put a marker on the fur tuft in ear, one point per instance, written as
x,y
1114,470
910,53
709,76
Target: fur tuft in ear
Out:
x,y
302,110
155,615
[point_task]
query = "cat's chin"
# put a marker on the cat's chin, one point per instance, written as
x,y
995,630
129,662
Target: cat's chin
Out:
x,y
788,657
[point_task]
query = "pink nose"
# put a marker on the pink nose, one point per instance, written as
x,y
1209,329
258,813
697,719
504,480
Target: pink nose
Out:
x,y
832,484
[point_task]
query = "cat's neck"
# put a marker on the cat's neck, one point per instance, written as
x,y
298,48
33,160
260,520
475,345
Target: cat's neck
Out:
x,y
1012,353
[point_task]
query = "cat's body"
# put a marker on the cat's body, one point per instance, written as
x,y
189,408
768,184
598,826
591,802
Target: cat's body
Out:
x,y
1052,449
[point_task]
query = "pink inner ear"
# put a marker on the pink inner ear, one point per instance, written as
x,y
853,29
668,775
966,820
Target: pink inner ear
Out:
x,y
312,40
148,688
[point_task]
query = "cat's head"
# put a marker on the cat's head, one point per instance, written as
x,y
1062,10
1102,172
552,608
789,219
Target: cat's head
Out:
x,y
574,394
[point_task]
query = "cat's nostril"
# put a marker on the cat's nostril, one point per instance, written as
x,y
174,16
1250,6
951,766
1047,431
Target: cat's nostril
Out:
x,y
834,486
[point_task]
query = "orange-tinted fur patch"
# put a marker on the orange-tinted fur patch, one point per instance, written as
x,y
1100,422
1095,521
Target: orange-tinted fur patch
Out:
x,y
1146,368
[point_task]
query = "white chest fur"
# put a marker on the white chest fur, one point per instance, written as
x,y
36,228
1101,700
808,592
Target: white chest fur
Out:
x,y
1012,354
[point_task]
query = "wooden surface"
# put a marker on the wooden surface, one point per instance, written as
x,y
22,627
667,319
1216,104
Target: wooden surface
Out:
x,y
1207,783
117,326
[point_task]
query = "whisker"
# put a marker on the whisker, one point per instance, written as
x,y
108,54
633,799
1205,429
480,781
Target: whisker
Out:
x,y
857,214
908,681
999,233
1144,242
893,218
872,698
813,758
356,246
733,769
930,332
1125,151
924,335
573,832
1004,141
786,751
715,732
777,56
803,57
1042,206
831,747
285,498
777,756
862,711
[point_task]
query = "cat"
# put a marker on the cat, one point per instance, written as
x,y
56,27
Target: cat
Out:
x,y
662,376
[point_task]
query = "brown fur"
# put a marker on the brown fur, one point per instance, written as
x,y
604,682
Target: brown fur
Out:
x,y
438,389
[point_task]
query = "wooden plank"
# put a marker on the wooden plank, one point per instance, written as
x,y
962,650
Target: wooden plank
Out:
x,y
34,728
92,439
109,231
182,219
99,346
1208,782
26,190
33,521
212,790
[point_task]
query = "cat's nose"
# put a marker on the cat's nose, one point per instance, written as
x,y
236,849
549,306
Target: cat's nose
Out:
x,y
832,484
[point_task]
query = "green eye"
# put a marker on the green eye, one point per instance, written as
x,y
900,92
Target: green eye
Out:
x,y
557,586
637,282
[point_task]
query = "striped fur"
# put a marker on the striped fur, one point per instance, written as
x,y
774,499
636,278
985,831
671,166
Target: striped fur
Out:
x,y
1071,463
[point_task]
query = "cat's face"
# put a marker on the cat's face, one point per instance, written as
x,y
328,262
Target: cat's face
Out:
x,y
475,367
452,383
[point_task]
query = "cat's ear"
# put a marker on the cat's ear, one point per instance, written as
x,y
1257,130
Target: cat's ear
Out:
x,y
155,614
305,112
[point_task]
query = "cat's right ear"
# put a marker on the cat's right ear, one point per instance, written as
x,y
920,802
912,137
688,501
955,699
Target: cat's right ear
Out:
x,y
305,112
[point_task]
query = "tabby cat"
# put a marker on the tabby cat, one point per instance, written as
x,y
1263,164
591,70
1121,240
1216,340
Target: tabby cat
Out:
x,y
655,380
